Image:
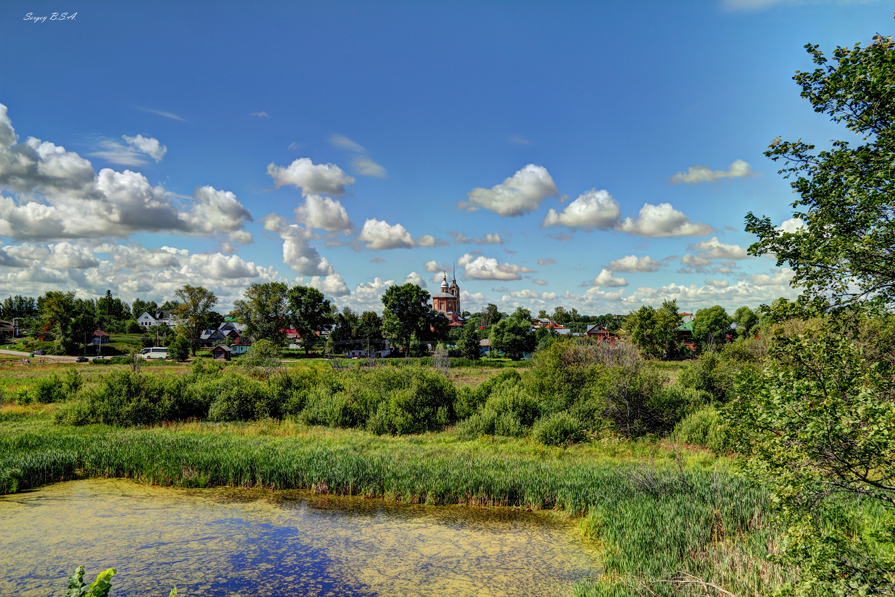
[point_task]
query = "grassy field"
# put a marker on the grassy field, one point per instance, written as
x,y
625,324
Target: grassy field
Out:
x,y
662,515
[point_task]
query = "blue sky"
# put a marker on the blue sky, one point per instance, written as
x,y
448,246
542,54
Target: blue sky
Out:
x,y
596,155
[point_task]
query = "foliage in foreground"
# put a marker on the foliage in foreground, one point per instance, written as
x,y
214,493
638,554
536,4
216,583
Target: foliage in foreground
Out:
x,y
819,423
101,587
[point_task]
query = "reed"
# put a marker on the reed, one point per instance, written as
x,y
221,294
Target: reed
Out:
x,y
656,520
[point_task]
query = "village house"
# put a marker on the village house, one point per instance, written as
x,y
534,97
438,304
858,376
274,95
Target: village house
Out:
x,y
147,320
602,334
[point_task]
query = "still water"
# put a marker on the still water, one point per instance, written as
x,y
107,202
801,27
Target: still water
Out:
x,y
253,542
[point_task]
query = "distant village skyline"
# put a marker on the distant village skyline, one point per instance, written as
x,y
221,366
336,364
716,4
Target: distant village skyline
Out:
x,y
596,156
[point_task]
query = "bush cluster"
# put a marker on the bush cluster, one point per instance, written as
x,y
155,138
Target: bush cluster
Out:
x,y
574,389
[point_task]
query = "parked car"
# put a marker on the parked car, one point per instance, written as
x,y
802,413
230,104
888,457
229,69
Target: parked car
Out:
x,y
81,360
39,353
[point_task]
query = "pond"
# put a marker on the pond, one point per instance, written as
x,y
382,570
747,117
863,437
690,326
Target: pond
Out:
x,y
239,542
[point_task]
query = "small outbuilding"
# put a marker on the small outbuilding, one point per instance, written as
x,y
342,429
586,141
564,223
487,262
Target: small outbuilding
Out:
x,y
100,337
221,352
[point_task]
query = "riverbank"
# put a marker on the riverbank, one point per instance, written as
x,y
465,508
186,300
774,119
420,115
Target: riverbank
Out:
x,y
654,511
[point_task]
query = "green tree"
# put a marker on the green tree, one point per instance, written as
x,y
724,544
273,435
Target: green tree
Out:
x,y
139,307
112,314
844,245
309,314
84,322
513,336
522,314
438,328
179,348
653,330
561,316
643,329
264,310
819,424
195,302
369,326
469,344
491,315
711,325
406,314
132,327
344,335
18,307
57,313
746,320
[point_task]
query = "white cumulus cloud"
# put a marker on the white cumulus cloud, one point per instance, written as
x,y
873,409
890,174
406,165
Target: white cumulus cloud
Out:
x,y
323,212
379,235
325,179
415,278
662,220
591,210
148,145
487,268
632,264
515,196
715,249
605,279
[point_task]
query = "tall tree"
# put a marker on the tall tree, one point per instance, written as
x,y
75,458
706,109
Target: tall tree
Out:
x,y
139,307
491,315
57,310
521,314
195,302
369,330
406,313
469,344
264,310
711,325
344,333
84,322
653,330
840,239
746,321
309,314
513,336
111,313
18,307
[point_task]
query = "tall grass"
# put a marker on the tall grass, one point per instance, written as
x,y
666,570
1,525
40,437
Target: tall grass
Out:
x,y
655,522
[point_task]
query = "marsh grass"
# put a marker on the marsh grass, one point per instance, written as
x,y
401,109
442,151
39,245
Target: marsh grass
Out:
x,y
655,518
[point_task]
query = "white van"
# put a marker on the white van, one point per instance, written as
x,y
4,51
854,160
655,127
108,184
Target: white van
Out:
x,y
156,352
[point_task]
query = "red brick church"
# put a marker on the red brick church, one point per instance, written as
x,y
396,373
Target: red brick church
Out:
x,y
447,301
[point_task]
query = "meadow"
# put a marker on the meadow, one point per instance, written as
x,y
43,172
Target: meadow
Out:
x,y
668,518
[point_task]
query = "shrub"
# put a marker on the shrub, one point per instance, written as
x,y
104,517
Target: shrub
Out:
x,y
670,404
569,371
715,371
46,390
72,383
469,400
128,398
558,429
238,399
509,411
423,402
704,427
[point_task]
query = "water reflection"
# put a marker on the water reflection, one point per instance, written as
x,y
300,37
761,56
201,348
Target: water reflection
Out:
x,y
252,542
